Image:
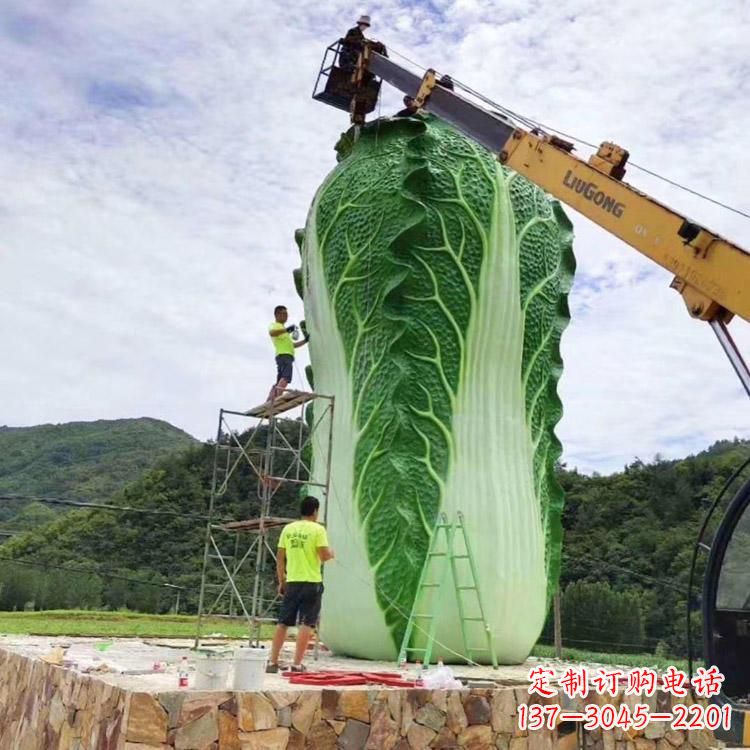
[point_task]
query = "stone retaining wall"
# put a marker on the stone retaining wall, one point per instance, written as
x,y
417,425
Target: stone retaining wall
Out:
x,y
43,707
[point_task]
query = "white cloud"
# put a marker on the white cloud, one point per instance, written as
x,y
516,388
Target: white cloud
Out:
x,y
160,157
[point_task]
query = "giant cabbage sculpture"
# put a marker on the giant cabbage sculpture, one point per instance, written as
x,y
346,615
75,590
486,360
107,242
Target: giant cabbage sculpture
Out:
x,y
435,291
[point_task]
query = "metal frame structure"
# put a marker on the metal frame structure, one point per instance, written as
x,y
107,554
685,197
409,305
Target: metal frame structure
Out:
x,y
274,461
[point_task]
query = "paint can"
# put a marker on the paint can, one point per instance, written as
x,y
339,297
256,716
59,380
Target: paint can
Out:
x,y
212,668
250,668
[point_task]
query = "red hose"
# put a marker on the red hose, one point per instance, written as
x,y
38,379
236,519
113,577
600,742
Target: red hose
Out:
x,y
345,679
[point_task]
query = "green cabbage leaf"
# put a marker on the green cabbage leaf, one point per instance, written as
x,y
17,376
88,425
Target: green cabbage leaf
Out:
x,y
435,289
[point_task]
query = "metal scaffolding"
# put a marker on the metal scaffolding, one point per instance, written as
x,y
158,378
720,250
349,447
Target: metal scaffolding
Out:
x,y
278,452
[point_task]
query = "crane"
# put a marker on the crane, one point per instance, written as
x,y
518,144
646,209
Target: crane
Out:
x,y
711,273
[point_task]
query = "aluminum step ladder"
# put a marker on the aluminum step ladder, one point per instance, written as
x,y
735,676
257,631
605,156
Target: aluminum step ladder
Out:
x,y
442,556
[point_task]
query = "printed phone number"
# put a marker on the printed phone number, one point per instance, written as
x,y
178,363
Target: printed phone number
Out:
x,y
682,717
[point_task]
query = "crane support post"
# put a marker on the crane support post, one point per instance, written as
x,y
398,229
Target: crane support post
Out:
x,y
711,273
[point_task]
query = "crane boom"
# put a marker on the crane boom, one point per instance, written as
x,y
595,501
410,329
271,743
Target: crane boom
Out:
x,y
711,273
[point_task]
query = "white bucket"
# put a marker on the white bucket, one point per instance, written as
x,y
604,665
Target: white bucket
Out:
x,y
249,668
212,669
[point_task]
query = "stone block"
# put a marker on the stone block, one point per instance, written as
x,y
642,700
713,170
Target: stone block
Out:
x,y
354,704
284,716
394,705
336,725
541,739
296,740
266,739
228,731
329,701
430,716
476,737
445,740
354,735
407,712
255,712
439,698
198,704
503,711
281,699
147,720
477,710
701,739
456,716
305,710
322,736
655,730
420,737
172,704
674,738
197,734
384,732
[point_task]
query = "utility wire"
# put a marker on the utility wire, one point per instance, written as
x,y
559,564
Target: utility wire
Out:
x,y
102,573
645,577
87,505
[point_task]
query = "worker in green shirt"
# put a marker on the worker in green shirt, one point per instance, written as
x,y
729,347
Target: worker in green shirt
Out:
x,y
281,335
302,550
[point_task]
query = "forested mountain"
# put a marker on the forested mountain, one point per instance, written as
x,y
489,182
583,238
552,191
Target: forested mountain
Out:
x,y
160,540
78,461
628,541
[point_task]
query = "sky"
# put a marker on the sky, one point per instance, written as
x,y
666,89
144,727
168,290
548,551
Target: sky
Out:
x,y
157,158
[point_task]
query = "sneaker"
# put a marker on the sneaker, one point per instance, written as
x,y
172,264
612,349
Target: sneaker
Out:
x,y
298,668
272,668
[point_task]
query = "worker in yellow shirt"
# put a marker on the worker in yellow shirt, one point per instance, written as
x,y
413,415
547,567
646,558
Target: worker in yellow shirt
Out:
x,y
281,335
302,550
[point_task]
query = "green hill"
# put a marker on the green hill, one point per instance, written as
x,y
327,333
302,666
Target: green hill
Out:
x,y
78,461
628,541
166,546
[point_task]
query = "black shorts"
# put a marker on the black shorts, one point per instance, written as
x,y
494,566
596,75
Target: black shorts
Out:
x,y
303,600
284,367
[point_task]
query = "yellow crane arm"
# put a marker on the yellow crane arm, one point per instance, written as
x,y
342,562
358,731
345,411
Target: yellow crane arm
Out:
x,y
711,273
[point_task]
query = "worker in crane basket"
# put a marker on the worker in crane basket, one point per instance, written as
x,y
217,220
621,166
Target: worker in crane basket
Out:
x,y
351,44
284,345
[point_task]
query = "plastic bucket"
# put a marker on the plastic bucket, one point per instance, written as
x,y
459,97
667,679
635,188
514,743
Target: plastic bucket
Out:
x,y
249,668
212,669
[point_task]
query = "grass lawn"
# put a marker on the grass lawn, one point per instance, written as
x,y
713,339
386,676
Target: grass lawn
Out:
x,y
619,660
118,625
136,625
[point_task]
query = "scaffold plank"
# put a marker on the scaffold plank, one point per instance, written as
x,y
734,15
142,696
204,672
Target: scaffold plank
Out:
x,y
254,524
286,401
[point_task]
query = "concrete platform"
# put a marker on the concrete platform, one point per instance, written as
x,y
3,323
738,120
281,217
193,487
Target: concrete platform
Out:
x,y
129,662
96,694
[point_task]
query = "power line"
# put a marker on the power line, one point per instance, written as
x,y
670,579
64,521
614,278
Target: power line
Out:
x,y
645,577
88,571
87,505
